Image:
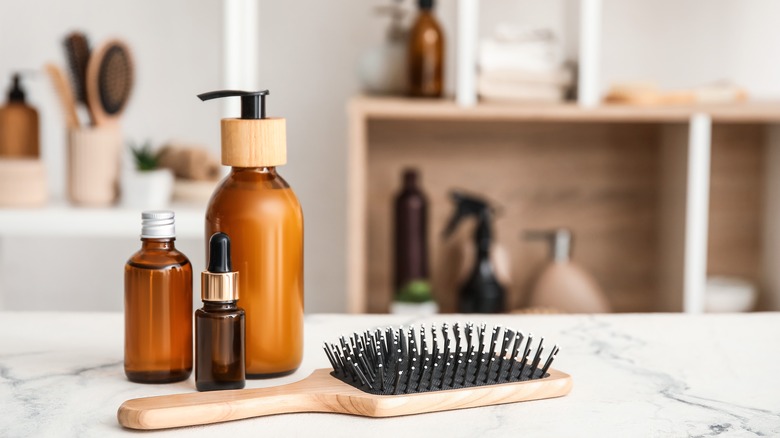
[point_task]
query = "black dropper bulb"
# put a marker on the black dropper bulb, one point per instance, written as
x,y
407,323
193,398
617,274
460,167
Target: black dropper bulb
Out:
x,y
252,102
219,254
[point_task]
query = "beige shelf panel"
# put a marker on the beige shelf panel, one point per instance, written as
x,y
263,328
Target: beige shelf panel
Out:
x,y
394,108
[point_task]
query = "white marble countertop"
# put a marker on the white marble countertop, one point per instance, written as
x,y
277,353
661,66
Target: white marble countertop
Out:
x,y
634,375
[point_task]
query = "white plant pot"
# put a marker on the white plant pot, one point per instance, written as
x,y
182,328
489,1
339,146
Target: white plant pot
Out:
x,y
147,190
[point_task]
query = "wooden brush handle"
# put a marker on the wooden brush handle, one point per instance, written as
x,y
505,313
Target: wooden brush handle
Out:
x,y
65,91
321,392
217,406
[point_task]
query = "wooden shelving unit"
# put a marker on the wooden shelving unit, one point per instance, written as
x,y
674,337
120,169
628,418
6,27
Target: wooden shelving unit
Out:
x,y
658,197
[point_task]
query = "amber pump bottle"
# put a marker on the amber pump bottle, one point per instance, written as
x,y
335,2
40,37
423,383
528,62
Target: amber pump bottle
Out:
x,y
19,132
158,305
256,207
219,325
425,61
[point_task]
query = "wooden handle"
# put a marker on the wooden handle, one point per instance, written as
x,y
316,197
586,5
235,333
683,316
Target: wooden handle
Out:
x,y
65,91
321,392
192,409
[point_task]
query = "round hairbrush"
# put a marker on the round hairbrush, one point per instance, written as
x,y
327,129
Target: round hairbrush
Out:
x,y
109,81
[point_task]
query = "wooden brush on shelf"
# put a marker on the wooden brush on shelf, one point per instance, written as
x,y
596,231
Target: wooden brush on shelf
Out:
x,y
384,373
109,81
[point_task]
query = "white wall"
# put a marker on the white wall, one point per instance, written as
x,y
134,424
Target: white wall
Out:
x,y
692,42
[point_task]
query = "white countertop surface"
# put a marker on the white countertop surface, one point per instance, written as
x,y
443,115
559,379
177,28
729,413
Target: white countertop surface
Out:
x,y
634,376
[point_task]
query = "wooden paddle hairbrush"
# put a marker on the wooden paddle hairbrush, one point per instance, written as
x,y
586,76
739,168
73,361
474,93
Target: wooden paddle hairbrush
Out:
x,y
109,81
381,374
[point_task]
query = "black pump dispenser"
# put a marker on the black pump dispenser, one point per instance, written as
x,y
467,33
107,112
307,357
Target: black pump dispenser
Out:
x,y
16,92
219,254
481,292
252,102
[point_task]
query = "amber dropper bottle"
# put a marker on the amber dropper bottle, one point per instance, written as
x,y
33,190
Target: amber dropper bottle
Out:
x,y
158,305
220,324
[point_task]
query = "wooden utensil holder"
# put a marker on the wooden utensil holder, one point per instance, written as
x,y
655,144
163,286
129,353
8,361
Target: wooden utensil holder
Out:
x,y
93,165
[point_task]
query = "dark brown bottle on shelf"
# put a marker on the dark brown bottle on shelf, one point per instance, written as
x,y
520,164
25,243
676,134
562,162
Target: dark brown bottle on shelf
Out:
x,y
220,324
158,305
426,54
411,240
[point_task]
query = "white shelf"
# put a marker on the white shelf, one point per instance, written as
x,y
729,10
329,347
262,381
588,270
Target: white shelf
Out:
x,y
63,220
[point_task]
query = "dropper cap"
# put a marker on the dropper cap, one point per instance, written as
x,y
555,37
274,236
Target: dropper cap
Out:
x,y
219,283
253,140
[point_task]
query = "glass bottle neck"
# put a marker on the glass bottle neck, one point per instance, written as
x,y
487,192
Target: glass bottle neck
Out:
x,y
268,170
158,244
219,305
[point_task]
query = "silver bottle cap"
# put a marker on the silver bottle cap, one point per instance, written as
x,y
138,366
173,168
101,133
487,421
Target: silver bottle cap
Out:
x,y
158,224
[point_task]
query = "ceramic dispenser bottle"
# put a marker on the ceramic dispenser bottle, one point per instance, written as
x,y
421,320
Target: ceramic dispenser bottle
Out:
x,y
563,285
256,207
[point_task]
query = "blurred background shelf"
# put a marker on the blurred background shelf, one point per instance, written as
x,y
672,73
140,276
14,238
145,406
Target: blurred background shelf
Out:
x,y
658,198
59,219
398,108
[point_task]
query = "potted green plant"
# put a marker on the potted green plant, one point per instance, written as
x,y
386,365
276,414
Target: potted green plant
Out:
x,y
146,185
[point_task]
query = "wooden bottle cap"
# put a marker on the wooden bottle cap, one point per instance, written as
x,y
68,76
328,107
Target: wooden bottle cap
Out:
x,y
254,142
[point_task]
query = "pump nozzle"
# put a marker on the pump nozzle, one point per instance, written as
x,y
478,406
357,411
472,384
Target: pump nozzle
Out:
x,y
560,242
252,102
16,92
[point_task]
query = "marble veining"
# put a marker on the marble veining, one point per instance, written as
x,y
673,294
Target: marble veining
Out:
x,y
655,375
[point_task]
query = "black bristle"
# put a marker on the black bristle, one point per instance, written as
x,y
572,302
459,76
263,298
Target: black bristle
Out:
x,y
403,341
550,359
405,362
397,385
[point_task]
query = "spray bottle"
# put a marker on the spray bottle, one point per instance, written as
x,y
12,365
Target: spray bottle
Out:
x,y
481,291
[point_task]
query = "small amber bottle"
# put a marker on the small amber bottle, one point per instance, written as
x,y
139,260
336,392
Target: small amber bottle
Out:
x,y
219,325
425,61
158,305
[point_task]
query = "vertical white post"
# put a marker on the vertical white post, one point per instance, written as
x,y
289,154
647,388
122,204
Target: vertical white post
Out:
x,y
590,53
771,242
697,213
240,49
466,52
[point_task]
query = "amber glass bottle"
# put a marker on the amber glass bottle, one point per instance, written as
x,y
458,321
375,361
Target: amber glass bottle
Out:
x,y
158,306
219,325
426,54
262,216
19,136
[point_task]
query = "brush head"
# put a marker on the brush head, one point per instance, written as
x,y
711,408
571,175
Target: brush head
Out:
x,y
116,79
109,80
77,51
391,362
